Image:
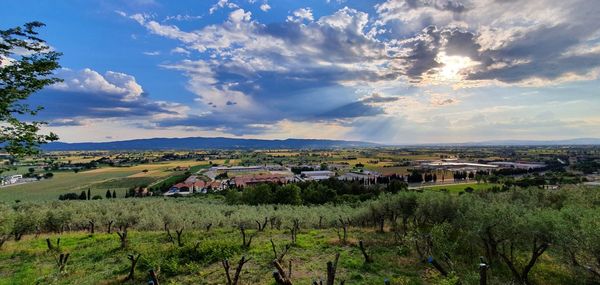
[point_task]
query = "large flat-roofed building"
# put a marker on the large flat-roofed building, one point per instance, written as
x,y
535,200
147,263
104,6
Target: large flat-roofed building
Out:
x,y
519,165
457,164
317,175
364,175
247,180
221,169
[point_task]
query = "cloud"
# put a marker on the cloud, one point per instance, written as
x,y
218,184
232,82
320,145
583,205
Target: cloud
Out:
x,y
309,69
118,84
377,98
152,53
221,4
181,17
265,7
180,50
438,99
301,14
86,94
513,41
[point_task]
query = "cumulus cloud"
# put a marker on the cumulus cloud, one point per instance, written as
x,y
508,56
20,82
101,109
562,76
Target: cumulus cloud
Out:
x,y
87,94
120,85
309,69
513,41
222,4
301,14
265,7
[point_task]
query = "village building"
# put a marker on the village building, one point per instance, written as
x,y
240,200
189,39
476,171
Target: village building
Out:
x,y
248,180
317,175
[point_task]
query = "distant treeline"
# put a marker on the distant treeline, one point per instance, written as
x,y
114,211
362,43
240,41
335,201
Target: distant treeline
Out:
x,y
312,192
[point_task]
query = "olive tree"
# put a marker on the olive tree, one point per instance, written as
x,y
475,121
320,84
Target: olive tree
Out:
x,y
7,219
579,239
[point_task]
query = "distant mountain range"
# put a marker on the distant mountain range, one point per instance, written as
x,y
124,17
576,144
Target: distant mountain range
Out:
x,y
233,143
205,143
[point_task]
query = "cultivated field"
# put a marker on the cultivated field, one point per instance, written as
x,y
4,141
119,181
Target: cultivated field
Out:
x,y
98,180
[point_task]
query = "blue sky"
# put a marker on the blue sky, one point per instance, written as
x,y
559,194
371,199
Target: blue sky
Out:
x,y
389,71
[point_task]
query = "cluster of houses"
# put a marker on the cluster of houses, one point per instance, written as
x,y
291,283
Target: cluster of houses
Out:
x,y
16,179
12,179
224,177
194,184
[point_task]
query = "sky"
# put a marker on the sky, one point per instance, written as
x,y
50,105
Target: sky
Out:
x,y
389,71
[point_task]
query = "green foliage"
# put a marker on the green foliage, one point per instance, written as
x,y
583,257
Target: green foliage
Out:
x,y
455,230
27,72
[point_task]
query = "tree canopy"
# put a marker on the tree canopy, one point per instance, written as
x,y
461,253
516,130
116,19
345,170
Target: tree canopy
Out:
x,y
26,66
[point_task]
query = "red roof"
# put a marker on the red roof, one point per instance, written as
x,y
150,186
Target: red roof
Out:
x,y
244,180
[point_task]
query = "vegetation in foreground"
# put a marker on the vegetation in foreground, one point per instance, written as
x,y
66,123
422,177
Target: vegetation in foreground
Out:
x,y
526,236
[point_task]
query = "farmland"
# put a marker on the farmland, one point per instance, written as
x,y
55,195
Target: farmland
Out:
x,y
407,206
98,180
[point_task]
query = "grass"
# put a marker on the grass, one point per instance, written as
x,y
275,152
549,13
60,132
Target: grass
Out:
x,y
456,188
97,259
98,180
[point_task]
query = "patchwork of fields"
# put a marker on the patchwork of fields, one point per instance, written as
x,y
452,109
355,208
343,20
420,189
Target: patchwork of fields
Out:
x,y
98,180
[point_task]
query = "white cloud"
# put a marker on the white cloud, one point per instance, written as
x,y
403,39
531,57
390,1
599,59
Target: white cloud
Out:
x,y
418,44
180,50
90,81
265,7
222,4
301,14
152,53
182,17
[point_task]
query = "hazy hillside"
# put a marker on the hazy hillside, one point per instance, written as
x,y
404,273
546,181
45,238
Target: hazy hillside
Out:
x,y
204,143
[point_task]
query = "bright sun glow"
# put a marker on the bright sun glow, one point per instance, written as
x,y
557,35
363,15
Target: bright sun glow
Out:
x,y
453,66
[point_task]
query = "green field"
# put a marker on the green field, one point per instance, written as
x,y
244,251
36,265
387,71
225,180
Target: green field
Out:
x,y
456,188
97,259
98,180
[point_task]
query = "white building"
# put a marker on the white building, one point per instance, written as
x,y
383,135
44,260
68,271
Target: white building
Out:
x,y
518,165
317,175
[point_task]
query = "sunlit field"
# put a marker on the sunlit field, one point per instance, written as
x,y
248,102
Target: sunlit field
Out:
x,y
98,180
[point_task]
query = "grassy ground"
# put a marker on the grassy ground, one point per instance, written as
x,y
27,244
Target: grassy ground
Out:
x,y
98,259
456,188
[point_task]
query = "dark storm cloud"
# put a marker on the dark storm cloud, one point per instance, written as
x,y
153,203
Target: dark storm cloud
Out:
x,y
442,5
62,104
540,53
423,52
351,110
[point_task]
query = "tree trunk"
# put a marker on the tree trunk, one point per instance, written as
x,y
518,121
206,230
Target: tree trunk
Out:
x,y
331,269
368,259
